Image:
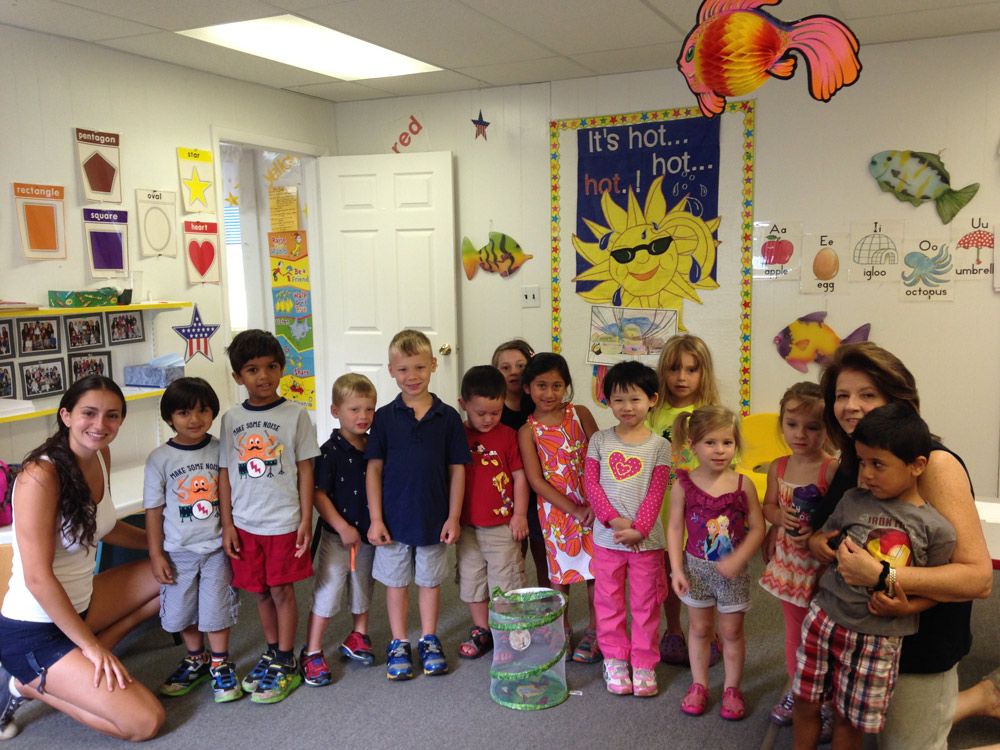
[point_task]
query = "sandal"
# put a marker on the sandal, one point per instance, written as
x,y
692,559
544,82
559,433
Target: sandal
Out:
x,y
480,642
673,650
734,707
696,700
587,651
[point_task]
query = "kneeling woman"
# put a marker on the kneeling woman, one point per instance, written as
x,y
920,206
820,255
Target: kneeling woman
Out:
x,y
59,621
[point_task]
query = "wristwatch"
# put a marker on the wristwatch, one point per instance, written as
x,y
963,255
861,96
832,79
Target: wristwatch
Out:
x,y
890,583
882,585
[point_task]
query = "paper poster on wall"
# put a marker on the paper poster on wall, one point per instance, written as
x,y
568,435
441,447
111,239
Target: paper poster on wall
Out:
x,y
284,208
619,334
927,270
809,339
105,234
972,241
875,251
40,220
197,336
197,176
293,320
156,220
821,261
100,164
201,251
777,249
916,177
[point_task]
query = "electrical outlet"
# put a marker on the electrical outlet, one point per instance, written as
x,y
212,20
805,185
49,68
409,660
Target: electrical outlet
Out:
x,y
530,296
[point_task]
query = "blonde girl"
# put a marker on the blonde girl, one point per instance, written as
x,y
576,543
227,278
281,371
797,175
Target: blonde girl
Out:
x,y
687,380
711,574
795,486
553,447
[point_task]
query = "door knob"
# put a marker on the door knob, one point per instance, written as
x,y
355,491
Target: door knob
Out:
x,y
444,349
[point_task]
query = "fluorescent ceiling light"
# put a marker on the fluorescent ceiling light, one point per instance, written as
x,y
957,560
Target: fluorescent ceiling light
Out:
x,y
303,44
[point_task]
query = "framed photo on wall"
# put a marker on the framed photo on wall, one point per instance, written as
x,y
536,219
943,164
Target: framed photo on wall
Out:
x,y
84,332
43,377
7,348
90,363
7,389
38,336
125,328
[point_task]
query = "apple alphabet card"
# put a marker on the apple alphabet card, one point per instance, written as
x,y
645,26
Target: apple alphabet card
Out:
x,y
201,248
777,249
105,234
40,220
100,164
156,216
197,175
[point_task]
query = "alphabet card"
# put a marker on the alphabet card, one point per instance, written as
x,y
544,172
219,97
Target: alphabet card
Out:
x,y
875,251
777,249
40,220
197,175
927,272
100,165
105,235
201,248
156,216
972,248
821,261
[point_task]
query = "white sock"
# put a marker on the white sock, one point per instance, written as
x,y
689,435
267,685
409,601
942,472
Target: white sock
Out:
x,y
13,688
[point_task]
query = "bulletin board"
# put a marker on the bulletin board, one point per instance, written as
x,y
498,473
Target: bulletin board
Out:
x,y
654,210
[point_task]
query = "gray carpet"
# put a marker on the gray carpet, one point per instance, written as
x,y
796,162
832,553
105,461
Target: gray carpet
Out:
x,y
363,709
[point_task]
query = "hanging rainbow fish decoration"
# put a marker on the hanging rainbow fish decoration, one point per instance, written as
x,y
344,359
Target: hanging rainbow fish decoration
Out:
x,y
736,48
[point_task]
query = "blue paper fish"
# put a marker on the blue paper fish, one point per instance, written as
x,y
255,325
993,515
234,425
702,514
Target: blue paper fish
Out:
x,y
500,255
917,177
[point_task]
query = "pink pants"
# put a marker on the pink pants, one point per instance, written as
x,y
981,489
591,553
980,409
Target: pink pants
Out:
x,y
647,587
794,615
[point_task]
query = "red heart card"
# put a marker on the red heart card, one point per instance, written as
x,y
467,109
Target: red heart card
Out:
x,y
202,255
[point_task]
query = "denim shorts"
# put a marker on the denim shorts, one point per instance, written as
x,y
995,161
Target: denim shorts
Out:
x,y
28,649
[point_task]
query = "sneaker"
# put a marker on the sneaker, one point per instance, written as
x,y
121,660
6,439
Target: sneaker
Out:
x,y
9,703
315,670
734,707
616,677
255,675
358,647
277,683
673,650
826,723
587,651
398,660
432,655
225,686
644,683
191,672
781,714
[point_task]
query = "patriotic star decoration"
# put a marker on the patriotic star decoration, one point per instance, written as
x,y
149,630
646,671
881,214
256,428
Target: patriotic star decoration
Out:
x,y
481,126
196,334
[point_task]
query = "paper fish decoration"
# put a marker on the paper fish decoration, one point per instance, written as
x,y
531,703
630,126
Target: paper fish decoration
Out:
x,y
736,48
500,255
809,339
917,177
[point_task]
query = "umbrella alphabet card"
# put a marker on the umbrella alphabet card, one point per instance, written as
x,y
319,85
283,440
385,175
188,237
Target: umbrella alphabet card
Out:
x,y
41,220
197,175
201,248
105,235
156,217
100,164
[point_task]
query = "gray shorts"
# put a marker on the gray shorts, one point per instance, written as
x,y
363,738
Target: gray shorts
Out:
x,y
398,565
709,588
201,593
488,558
332,571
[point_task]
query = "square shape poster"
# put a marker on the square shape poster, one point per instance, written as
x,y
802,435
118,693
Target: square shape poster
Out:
x,y
105,235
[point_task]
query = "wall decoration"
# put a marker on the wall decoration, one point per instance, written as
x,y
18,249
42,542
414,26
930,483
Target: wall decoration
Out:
x,y
91,363
777,249
293,323
736,47
284,208
502,255
84,332
156,218
40,220
927,273
197,334
810,339
875,251
821,266
917,177
100,164
106,237
201,243
618,334
45,377
37,336
7,347
197,175
973,249
125,327
481,126
7,387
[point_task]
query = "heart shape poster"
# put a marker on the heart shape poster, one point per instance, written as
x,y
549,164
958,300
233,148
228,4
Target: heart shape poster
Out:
x,y
623,468
201,249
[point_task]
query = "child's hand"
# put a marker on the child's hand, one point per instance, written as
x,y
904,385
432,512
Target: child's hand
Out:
x,y
802,538
789,519
378,534
303,537
450,531
629,537
518,527
680,583
729,567
620,524
820,548
585,515
231,542
163,571
883,605
349,536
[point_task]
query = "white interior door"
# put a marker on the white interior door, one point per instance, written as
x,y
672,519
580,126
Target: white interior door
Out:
x,y
388,262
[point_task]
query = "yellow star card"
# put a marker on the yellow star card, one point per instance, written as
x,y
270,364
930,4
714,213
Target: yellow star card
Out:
x,y
197,176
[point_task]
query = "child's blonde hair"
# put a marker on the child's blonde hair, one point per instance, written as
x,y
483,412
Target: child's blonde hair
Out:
x,y
514,345
804,398
670,357
690,427
353,384
410,343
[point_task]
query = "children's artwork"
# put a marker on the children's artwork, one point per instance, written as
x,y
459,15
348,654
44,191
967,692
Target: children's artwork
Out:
x,y
37,336
40,220
500,255
91,363
100,164
927,272
775,245
7,339
197,175
84,332
736,47
156,218
810,339
618,334
973,249
821,253
46,377
106,235
875,255
125,327
917,177
481,126
201,242
196,334
293,321
7,388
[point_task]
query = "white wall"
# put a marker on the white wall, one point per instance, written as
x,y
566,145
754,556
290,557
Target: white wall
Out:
x,y
811,167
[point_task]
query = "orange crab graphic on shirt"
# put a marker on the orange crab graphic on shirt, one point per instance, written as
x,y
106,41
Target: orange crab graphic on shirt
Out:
x,y
259,454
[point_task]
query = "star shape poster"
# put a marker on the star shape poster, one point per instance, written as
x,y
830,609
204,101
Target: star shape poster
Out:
x,y
197,175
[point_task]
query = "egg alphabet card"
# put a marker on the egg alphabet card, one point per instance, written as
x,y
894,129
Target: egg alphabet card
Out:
x,y
821,261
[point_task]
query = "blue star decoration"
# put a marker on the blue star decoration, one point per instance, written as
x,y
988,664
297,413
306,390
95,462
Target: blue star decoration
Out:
x,y
481,126
196,334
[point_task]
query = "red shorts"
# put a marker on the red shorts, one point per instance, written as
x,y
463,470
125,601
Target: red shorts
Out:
x,y
267,561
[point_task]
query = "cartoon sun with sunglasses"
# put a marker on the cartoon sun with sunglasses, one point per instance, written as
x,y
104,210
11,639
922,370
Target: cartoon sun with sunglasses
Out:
x,y
648,257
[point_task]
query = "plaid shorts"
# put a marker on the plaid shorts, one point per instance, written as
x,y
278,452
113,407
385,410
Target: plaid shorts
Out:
x,y
858,669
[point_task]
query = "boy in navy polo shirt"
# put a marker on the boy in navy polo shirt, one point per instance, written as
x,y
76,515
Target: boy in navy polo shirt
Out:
x,y
415,479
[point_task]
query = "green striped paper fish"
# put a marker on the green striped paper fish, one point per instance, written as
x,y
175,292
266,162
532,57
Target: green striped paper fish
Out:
x,y
500,255
916,177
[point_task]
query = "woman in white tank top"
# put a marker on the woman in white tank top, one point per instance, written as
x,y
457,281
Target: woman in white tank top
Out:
x,y
59,621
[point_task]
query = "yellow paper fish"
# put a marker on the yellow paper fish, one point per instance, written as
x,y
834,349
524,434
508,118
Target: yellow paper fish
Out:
x,y
500,255
809,339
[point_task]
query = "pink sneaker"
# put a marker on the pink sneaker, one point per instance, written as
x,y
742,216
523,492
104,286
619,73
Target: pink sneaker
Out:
x,y
644,683
616,677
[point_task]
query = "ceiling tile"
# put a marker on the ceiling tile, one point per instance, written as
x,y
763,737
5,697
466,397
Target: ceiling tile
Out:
x,y
340,91
928,24
528,71
60,19
175,15
651,57
435,82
